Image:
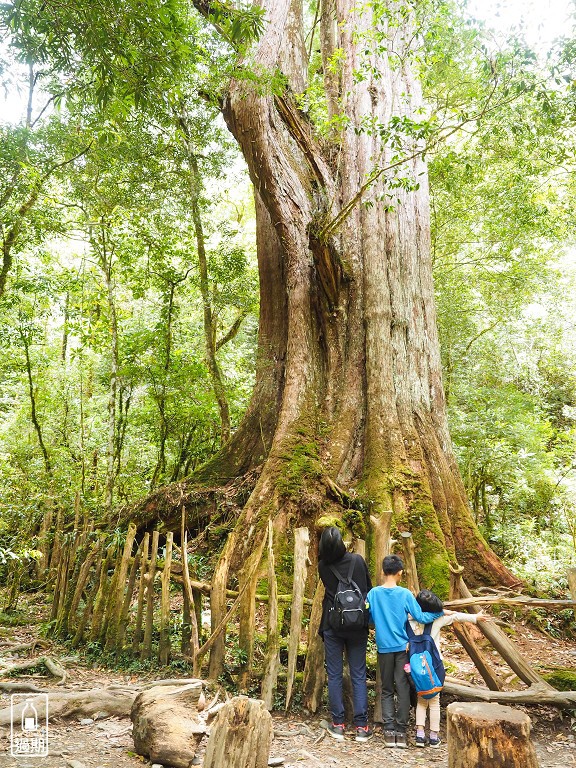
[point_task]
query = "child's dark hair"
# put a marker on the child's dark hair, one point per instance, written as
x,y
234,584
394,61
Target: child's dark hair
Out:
x,y
392,564
332,547
429,601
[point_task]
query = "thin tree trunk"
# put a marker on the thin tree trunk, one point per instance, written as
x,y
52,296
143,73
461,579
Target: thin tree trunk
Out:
x,y
32,394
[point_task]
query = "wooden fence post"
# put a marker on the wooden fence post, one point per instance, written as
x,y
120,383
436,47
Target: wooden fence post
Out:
x,y
147,643
137,639
272,661
301,544
410,562
164,644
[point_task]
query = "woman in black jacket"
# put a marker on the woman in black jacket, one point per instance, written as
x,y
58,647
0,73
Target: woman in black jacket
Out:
x,y
333,555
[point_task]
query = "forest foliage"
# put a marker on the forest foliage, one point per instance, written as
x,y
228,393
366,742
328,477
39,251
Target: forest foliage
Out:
x,y
129,285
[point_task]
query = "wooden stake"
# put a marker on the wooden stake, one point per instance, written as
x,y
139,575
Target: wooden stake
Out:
x,y
164,645
193,636
147,644
137,639
301,544
272,661
124,615
117,597
80,585
100,600
572,582
381,533
467,641
504,647
247,581
410,562
87,613
314,673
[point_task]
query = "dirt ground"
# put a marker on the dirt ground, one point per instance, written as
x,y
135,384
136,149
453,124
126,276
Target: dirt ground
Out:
x,y
300,740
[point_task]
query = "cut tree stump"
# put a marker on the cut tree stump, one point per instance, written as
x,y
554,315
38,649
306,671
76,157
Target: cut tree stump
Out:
x,y
240,735
167,728
489,735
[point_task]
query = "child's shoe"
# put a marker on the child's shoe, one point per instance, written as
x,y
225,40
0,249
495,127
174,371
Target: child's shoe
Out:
x,y
434,742
420,741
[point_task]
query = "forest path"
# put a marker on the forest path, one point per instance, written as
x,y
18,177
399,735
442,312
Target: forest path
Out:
x,y
555,746
299,739
108,744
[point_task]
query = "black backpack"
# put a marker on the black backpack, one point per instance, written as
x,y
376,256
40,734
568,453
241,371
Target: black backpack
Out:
x,y
348,611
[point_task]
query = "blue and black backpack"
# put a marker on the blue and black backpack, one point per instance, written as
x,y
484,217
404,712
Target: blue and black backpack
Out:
x,y
426,667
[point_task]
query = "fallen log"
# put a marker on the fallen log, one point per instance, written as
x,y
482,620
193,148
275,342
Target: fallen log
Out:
x,y
53,667
488,734
532,602
536,694
106,702
19,688
167,727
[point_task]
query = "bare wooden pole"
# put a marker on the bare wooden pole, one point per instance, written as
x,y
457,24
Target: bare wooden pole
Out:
x,y
272,661
125,613
87,613
572,582
117,599
531,602
410,562
147,644
164,645
505,648
81,584
189,598
314,674
137,639
100,600
301,544
468,643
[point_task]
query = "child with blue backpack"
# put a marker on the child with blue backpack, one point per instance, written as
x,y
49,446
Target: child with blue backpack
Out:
x,y
430,701
390,605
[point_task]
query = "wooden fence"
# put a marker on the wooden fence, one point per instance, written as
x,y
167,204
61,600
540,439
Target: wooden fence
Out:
x,y
126,594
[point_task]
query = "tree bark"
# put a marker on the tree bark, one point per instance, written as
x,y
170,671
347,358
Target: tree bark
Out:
x,y
489,734
348,417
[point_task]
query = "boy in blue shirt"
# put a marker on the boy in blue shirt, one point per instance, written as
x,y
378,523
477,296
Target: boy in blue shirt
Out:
x,y
389,609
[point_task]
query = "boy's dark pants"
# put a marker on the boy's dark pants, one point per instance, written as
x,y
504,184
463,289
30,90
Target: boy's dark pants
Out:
x,y
395,718
355,646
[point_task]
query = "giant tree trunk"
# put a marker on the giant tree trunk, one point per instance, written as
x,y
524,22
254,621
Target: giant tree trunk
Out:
x,y
348,390
359,395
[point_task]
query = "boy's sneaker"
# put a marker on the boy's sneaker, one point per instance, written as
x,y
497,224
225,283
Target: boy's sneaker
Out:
x,y
364,733
434,742
420,741
401,740
336,730
389,738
